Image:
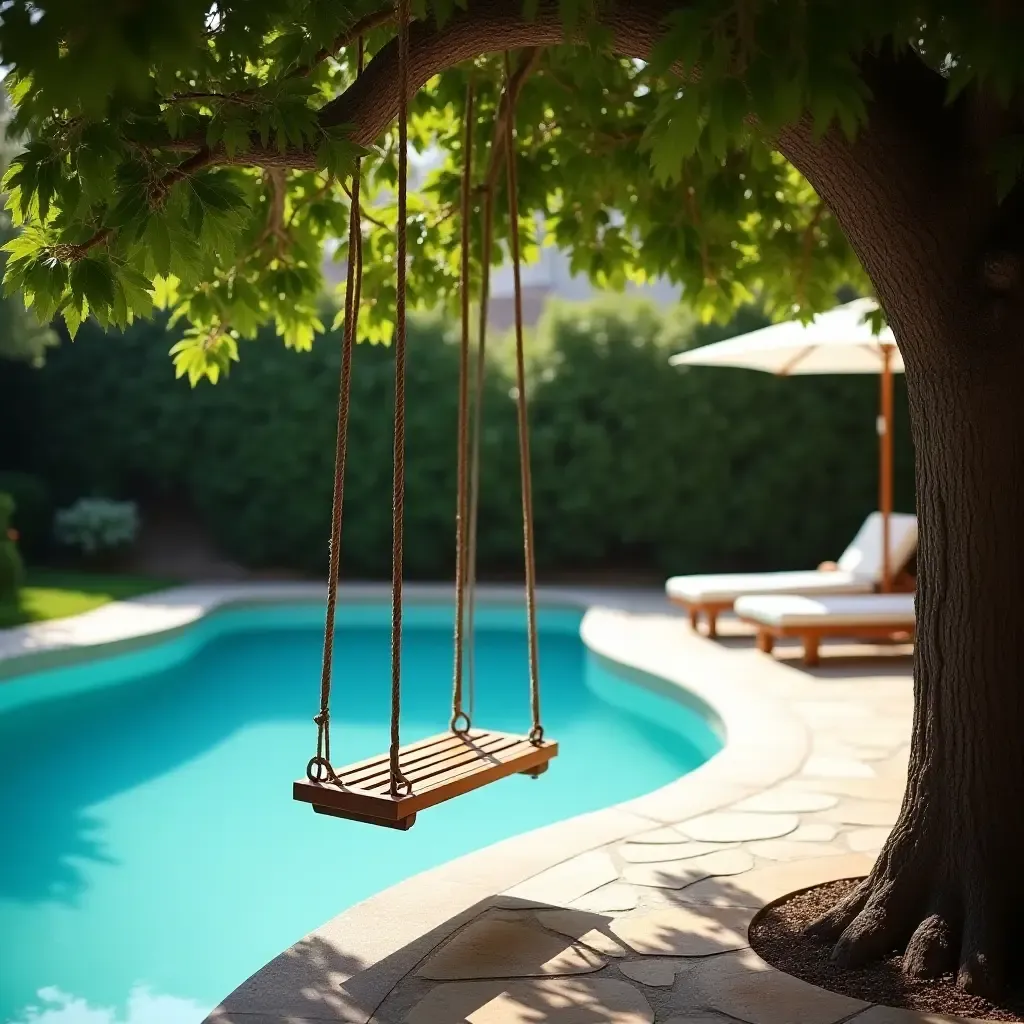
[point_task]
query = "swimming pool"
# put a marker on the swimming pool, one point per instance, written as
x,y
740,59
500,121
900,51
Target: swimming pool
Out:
x,y
152,855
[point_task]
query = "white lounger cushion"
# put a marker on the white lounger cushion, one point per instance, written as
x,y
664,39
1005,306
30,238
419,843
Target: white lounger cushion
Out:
x,y
794,611
726,587
864,555
858,571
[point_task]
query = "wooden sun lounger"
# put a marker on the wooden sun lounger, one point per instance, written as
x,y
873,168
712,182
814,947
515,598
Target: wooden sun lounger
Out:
x,y
858,571
811,619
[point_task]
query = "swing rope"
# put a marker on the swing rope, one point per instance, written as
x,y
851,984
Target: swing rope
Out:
x,y
399,783
320,767
474,486
537,731
461,721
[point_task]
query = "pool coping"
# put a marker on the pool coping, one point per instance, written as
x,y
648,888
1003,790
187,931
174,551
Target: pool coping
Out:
x,y
765,743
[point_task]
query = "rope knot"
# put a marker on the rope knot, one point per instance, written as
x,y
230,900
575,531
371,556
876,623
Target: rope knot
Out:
x,y
321,719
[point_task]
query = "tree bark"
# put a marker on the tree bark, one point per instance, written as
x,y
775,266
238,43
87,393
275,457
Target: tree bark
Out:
x,y
916,202
947,887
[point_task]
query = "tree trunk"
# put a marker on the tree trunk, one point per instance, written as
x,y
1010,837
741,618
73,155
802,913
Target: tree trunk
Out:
x,y
947,886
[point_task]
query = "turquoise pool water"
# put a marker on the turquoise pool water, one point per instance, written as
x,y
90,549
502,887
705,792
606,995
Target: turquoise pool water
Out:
x,y
152,857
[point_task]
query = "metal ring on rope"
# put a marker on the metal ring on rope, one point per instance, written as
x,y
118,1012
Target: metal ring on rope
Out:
x,y
319,769
460,730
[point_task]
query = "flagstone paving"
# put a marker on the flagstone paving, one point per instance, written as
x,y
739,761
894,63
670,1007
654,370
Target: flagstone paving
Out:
x,y
681,873
673,924
639,914
739,826
686,891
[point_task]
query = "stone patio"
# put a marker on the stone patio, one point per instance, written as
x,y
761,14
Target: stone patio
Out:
x,y
638,913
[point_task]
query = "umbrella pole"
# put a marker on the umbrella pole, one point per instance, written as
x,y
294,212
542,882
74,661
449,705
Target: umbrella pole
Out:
x,y
885,464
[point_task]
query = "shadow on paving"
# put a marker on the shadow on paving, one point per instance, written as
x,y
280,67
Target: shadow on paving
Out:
x,y
839,656
513,961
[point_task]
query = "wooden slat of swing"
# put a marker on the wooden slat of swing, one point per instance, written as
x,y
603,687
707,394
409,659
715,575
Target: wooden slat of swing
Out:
x,y
438,768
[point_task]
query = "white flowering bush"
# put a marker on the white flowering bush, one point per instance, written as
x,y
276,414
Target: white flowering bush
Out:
x,y
97,525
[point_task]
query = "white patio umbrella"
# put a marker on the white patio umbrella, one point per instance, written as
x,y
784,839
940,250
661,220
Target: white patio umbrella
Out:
x,y
839,341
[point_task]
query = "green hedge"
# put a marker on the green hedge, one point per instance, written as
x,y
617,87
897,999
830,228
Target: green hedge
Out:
x,y
637,465
33,515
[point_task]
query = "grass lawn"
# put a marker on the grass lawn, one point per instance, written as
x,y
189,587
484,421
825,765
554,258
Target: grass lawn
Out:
x,y
56,594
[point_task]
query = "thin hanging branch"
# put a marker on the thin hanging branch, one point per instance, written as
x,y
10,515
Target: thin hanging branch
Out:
x,y
693,211
807,251
363,212
376,19
529,59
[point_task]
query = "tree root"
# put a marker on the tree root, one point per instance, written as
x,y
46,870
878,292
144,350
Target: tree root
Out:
x,y
941,929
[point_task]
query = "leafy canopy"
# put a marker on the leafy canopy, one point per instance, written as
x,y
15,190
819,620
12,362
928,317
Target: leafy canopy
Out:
x,y
23,338
180,155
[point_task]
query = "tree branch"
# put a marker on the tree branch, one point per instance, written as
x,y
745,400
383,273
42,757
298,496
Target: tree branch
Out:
x,y
807,250
690,198
370,104
191,97
203,158
275,227
903,171
366,24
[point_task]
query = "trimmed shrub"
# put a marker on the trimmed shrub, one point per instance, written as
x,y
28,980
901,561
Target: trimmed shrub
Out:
x,y
33,512
637,465
97,527
12,572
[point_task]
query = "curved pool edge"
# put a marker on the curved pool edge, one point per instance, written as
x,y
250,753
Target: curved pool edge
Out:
x,y
348,965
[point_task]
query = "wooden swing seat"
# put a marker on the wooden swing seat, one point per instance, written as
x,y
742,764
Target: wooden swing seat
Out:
x,y
438,768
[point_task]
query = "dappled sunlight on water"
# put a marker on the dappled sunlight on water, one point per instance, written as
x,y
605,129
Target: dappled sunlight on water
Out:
x,y
141,1007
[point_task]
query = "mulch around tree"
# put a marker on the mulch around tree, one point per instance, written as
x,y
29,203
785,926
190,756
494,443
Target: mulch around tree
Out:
x,y
776,935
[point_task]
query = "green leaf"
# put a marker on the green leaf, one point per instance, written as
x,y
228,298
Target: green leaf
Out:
x,y
571,12
265,122
137,290
131,206
119,307
337,158
158,239
670,144
174,117
443,10
681,44
204,354
26,244
44,284
236,136
217,192
93,279
73,315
